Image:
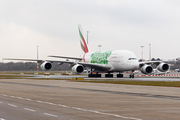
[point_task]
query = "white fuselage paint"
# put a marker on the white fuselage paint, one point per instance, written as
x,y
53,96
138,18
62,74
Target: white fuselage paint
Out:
x,y
119,60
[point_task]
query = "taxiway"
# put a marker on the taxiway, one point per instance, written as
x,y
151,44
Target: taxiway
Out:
x,y
66,100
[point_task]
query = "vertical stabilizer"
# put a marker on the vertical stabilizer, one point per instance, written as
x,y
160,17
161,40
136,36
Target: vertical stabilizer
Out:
x,y
84,46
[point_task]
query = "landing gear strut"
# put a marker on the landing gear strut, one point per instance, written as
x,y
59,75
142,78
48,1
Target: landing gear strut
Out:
x,y
131,75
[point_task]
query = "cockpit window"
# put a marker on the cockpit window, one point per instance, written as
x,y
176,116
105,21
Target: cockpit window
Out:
x,y
132,59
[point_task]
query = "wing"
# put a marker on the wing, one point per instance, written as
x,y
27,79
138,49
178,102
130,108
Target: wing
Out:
x,y
40,61
98,67
149,62
75,58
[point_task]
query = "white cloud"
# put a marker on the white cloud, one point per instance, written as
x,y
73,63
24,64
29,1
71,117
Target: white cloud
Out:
x,y
116,24
21,42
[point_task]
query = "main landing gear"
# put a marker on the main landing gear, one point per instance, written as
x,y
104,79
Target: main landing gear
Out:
x,y
109,75
106,75
94,75
119,75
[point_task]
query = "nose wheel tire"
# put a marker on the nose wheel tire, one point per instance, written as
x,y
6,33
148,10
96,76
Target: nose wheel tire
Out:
x,y
131,76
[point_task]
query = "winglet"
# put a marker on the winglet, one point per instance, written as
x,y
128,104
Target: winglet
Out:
x,y
84,46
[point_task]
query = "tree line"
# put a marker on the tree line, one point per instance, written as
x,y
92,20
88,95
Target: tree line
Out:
x,y
31,66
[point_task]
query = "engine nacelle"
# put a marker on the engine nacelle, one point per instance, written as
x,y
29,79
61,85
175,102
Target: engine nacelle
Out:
x,y
146,69
46,66
163,67
78,69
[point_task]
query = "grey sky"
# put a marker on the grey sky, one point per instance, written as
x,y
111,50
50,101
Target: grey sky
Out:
x,y
115,24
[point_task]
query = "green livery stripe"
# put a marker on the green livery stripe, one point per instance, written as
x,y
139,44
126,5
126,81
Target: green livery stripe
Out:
x,y
100,57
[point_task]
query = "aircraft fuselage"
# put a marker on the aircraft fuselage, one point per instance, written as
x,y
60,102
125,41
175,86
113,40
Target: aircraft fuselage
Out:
x,y
119,60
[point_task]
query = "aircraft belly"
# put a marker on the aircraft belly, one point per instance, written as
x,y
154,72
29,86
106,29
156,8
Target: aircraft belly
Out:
x,y
117,65
120,66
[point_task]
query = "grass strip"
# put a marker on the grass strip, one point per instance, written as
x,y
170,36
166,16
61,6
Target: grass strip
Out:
x,y
147,83
12,76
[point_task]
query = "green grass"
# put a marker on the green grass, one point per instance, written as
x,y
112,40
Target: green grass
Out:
x,y
4,76
147,83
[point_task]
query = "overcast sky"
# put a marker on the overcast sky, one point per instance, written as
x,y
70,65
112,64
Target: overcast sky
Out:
x,y
114,24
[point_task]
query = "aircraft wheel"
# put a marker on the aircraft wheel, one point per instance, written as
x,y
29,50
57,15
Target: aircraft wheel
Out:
x,y
119,75
89,75
93,75
108,75
130,76
98,75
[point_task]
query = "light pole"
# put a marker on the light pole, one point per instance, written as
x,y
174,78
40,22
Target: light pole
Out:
x,y
37,58
149,52
99,46
87,36
142,52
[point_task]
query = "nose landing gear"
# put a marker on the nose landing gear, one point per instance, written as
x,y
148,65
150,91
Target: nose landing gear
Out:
x,y
131,75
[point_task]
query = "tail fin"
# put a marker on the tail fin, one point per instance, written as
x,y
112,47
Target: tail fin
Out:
x,y
82,40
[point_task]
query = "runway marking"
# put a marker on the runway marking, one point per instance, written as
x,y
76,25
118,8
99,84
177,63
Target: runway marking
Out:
x,y
64,106
12,96
40,101
29,109
28,99
114,115
50,103
1,102
4,95
50,115
12,105
79,109
135,118
94,111
2,119
20,98
97,112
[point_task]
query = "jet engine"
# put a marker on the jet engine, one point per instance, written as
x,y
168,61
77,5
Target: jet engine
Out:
x,y
78,68
163,67
146,69
46,66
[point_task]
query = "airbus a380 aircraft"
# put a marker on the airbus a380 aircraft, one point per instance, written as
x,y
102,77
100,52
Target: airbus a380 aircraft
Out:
x,y
103,61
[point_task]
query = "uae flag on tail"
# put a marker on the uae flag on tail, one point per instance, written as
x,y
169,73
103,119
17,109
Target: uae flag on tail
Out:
x,y
82,40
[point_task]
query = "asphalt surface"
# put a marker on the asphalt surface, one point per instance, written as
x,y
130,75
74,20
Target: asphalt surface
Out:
x,y
28,99
163,78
